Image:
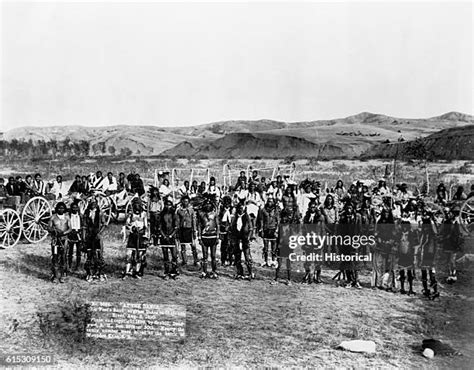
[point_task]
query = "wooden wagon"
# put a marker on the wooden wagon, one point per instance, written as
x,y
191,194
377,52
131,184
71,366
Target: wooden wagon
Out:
x,y
29,220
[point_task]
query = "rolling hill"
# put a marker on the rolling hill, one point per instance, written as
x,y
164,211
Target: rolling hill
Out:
x,y
342,137
144,140
248,145
451,143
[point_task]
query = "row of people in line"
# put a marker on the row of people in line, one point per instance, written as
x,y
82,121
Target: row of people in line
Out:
x,y
231,227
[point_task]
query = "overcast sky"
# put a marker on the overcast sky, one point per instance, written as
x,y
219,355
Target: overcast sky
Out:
x,y
180,64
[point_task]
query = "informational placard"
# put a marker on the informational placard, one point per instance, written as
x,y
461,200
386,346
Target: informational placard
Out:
x,y
136,321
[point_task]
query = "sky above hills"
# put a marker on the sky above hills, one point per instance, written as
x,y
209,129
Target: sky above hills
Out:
x,y
189,63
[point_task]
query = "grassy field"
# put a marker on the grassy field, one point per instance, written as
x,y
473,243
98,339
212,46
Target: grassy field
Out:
x,y
229,323
232,323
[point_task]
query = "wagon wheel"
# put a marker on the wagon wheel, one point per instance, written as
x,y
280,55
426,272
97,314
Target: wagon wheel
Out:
x,y
10,228
466,215
35,218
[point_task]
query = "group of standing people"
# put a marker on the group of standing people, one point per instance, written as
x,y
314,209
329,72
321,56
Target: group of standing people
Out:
x,y
76,234
207,218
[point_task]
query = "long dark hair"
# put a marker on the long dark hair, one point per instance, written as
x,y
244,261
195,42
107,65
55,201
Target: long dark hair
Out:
x,y
329,201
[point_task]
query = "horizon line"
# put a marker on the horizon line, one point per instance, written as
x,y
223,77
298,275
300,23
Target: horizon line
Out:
x,y
103,125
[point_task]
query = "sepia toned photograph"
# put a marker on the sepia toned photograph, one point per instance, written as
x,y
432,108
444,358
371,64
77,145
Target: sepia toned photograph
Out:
x,y
236,184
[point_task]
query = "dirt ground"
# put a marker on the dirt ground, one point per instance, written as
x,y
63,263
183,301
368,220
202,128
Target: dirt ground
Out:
x,y
229,322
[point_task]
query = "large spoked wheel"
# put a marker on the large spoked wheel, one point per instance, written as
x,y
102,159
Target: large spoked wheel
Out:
x,y
466,215
35,218
10,228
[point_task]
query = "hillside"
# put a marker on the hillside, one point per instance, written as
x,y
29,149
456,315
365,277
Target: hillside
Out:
x,y
145,140
342,137
455,116
453,143
248,145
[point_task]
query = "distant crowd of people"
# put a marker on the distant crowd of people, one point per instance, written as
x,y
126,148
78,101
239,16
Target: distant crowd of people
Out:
x,y
32,186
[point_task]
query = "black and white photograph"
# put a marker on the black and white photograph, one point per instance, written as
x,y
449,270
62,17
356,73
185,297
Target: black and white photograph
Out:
x,y
236,184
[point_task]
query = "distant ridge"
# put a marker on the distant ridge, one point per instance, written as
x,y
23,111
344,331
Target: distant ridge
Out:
x,y
248,145
455,116
347,137
452,143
